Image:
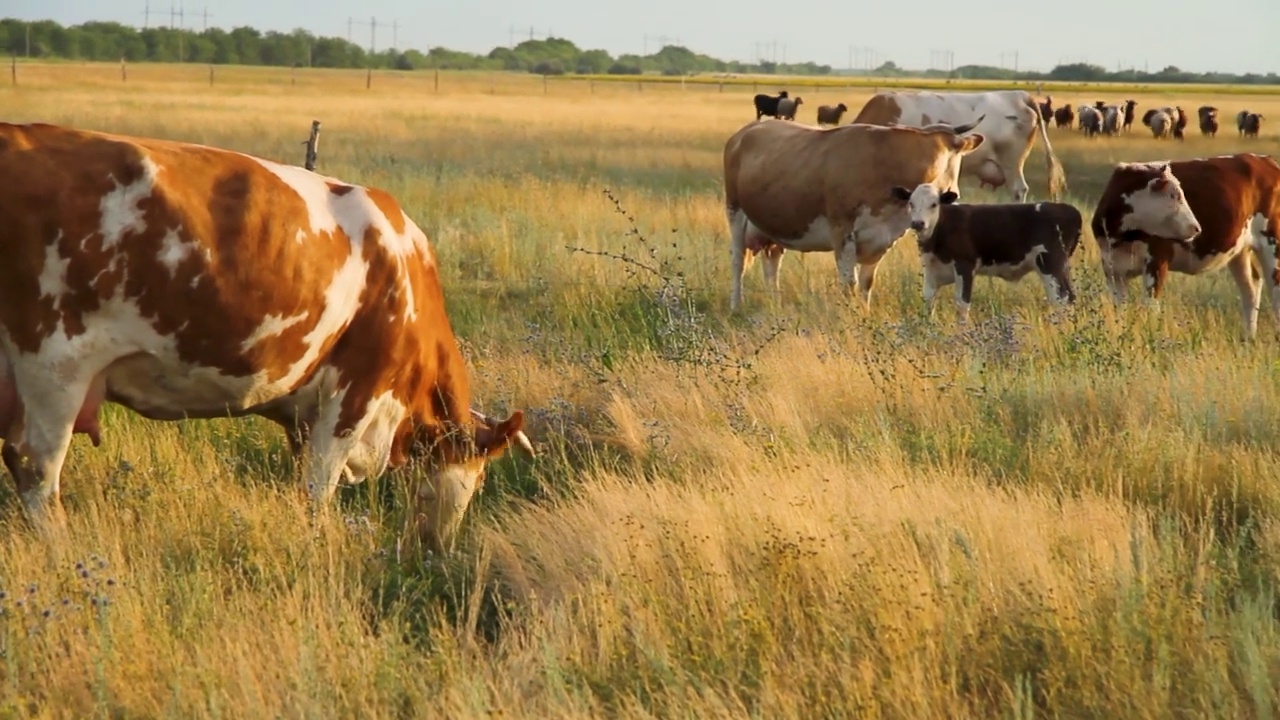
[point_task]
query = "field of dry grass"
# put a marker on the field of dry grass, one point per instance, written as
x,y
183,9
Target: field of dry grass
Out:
x,y
810,510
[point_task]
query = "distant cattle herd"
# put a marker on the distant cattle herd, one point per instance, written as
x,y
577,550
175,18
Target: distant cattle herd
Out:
x,y
855,189
1100,118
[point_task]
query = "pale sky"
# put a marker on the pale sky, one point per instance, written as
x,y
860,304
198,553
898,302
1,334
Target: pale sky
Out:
x,y
1237,36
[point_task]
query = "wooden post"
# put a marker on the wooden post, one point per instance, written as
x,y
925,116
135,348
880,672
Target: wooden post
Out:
x,y
368,79
210,74
124,76
722,86
437,79
293,75
592,84
639,86
312,143
544,84
13,69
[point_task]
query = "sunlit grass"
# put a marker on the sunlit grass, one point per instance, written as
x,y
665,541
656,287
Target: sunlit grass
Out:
x,y
810,510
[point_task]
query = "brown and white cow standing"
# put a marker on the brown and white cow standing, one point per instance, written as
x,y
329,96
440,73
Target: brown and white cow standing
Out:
x,y
184,281
797,187
1192,217
1010,122
958,242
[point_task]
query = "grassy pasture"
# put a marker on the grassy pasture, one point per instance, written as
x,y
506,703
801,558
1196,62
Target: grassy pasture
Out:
x,y
812,510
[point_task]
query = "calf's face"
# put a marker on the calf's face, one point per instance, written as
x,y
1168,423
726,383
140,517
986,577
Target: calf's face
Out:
x,y
924,204
1160,209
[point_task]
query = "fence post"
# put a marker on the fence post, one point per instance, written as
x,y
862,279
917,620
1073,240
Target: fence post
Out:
x,y
13,69
368,79
293,75
313,144
544,84
437,79
210,74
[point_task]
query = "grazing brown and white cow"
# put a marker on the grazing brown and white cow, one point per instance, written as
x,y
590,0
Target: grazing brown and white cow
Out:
x,y
1008,241
184,281
1192,217
798,187
1010,121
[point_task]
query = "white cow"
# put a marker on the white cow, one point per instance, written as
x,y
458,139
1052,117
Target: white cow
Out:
x,y
1009,126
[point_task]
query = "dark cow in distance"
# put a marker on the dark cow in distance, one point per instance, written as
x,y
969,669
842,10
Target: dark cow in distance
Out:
x,y
1252,124
1129,108
1193,217
1064,117
768,104
831,114
1005,240
1046,109
1208,120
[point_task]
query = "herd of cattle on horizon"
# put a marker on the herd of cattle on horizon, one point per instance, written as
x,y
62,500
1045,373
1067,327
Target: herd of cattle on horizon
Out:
x,y
125,279
1100,118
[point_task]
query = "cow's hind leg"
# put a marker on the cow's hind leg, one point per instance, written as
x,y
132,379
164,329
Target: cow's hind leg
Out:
x,y
1246,277
737,255
37,441
1052,267
771,258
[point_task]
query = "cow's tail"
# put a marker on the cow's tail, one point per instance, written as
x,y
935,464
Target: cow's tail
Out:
x,y
1057,178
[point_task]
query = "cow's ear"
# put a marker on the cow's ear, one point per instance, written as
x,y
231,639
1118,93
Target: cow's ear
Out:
x,y
949,197
968,143
900,193
493,441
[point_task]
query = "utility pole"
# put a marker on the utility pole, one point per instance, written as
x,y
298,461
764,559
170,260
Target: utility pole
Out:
x,y
146,15
205,12
395,34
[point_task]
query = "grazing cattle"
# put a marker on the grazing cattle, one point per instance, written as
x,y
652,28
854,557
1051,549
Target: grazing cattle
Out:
x,y
1148,115
1179,124
1160,123
787,108
1009,126
1240,120
1064,116
1129,108
1253,124
1046,109
1090,120
1192,217
1208,120
830,115
1112,118
184,281
958,242
768,104
797,187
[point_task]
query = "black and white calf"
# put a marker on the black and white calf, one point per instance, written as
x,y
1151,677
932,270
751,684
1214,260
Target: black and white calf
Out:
x,y
958,242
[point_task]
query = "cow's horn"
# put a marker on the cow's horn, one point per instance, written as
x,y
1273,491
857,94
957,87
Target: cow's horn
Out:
x,y
962,129
521,439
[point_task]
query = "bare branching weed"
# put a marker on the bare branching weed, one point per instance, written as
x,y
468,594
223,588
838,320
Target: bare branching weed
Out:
x,y
807,510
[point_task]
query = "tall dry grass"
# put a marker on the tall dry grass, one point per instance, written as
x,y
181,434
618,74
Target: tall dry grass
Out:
x,y
809,510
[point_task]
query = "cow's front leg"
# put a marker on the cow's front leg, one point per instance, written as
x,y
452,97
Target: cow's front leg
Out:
x,y
1154,276
964,291
846,252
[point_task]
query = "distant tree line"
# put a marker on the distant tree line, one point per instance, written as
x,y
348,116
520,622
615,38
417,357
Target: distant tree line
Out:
x,y
110,41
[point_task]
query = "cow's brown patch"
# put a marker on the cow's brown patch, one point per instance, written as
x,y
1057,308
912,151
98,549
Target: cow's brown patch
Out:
x,y
881,109
339,189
